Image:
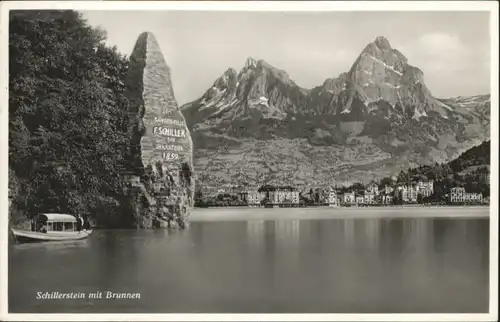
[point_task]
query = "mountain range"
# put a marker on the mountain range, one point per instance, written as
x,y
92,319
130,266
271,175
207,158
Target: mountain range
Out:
x,y
257,126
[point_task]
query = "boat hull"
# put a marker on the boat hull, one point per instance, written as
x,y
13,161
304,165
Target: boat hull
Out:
x,y
26,236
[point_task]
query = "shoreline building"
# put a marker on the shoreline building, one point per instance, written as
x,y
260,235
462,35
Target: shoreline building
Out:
x,y
484,177
426,188
243,196
333,201
360,198
385,199
408,193
459,195
283,196
369,198
254,198
209,191
372,189
388,190
349,198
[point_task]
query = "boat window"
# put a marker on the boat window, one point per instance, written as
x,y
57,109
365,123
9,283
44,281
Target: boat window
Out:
x,y
57,226
68,226
49,227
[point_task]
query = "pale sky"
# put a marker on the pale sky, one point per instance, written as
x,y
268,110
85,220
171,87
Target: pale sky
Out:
x,y
451,48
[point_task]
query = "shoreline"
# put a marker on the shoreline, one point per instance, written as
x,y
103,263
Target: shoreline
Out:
x,y
391,212
239,213
351,207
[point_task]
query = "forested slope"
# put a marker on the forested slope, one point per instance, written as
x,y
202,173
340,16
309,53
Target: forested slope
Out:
x,y
67,118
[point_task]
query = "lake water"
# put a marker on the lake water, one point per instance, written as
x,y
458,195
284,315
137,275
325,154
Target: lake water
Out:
x,y
294,264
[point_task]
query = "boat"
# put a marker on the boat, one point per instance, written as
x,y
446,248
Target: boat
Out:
x,y
51,227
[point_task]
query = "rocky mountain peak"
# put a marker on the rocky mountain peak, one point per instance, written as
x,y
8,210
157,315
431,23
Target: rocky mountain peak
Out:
x,y
250,63
379,115
382,43
228,79
381,50
230,71
260,72
383,73
263,64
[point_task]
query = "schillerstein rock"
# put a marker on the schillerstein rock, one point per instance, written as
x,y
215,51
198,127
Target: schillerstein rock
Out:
x,y
161,143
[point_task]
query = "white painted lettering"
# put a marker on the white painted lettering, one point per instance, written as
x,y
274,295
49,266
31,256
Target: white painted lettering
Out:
x,y
168,147
162,120
170,156
165,131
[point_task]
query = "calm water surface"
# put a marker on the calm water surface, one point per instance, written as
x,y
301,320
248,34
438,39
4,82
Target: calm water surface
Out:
x,y
378,265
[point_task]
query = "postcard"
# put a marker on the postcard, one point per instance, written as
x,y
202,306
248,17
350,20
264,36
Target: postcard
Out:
x,y
246,160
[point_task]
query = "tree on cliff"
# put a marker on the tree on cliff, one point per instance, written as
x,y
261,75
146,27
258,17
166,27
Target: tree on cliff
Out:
x,y
386,181
67,115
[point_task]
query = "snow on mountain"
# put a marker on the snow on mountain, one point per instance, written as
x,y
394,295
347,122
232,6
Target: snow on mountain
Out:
x,y
382,101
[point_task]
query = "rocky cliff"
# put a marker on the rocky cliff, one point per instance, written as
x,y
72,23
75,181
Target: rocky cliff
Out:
x,y
258,125
161,174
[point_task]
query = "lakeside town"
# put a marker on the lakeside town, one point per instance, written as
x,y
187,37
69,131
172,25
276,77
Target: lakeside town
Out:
x,y
373,194
462,181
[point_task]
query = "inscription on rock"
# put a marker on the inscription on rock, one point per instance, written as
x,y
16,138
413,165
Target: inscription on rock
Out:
x,y
166,147
166,138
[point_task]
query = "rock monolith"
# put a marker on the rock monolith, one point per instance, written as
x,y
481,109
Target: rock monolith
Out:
x,y
161,147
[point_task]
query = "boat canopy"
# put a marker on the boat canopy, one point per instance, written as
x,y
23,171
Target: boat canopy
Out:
x,y
57,217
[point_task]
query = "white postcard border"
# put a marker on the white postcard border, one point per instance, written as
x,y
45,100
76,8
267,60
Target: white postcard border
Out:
x,y
489,6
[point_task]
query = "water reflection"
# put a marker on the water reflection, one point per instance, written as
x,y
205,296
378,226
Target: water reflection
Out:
x,y
377,257
59,246
255,233
339,265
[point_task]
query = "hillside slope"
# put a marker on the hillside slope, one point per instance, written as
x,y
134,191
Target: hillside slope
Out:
x,y
373,120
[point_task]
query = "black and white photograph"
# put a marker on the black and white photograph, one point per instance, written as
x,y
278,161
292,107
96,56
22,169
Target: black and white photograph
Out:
x,y
246,160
